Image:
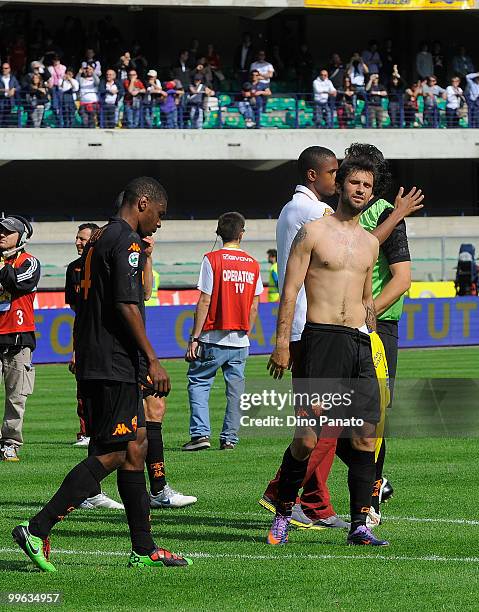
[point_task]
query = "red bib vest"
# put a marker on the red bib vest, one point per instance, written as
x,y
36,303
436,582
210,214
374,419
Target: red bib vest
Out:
x,y
16,312
235,274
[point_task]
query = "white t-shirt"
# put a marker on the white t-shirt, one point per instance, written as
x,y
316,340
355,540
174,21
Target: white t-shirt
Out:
x,y
224,337
303,208
264,68
453,95
322,89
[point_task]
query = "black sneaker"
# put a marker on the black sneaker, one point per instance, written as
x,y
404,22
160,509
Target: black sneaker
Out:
x,y
196,444
386,491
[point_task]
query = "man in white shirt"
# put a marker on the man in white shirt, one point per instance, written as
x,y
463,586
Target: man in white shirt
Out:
x,y
472,93
230,285
265,69
9,86
454,97
323,91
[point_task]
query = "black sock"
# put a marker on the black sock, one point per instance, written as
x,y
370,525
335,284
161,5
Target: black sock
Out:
x,y
155,460
290,480
379,475
344,450
360,482
75,488
132,489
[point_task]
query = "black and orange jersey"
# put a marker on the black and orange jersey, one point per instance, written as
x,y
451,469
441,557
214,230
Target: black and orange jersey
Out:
x,y
72,283
111,273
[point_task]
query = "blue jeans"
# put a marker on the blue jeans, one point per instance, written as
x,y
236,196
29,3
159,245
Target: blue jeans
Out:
x,y
323,111
196,117
169,120
201,375
245,109
131,116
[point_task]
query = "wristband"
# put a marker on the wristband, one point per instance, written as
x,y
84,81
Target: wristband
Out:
x,y
193,339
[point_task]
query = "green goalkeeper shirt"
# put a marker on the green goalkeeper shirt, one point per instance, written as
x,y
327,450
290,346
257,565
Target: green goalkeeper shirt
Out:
x,y
393,250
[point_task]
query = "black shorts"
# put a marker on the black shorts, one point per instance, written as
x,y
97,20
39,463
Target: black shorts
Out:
x,y
338,359
145,381
145,384
113,410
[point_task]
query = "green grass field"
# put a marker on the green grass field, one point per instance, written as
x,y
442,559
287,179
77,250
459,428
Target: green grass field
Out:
x,y
432,521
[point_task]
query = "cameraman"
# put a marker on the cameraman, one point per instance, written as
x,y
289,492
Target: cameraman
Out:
x,y
19,276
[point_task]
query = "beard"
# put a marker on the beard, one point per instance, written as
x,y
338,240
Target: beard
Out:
x,y
350,207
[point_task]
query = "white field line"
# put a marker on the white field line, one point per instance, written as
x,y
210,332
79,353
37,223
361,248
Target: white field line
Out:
x,y
295,557
257,515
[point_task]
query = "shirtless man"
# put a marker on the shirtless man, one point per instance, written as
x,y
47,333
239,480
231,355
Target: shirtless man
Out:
x,y
334,258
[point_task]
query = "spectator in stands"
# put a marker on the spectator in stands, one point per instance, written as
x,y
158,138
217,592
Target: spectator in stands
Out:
x,y
439,62
9,86
346,104
265,69
181,70
57,71
246,104
92,60
124,65
432,92
152,97
396,92
424,63
371,57
38,100
214,62
70,88
196,99
89,83
336,71
455,100
37,68
357,70
376,94
260,92
323,90
473,98
462,63
134,92
111,94
244,57
411,106
204,69
168,107
181,101
304,68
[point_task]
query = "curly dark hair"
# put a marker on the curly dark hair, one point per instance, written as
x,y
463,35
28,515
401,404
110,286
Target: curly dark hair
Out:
x,y
382,174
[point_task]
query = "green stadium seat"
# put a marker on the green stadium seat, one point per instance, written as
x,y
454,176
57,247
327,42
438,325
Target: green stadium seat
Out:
x,y
224,100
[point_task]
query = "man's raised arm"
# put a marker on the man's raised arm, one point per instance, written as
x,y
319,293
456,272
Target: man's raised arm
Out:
x,y
298,263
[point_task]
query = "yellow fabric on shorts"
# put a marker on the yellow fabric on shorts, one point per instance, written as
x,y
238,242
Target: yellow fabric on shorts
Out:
x,y
382,373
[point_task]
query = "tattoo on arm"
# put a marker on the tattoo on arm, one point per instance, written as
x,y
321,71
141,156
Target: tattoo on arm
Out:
x,y
370,316
299,238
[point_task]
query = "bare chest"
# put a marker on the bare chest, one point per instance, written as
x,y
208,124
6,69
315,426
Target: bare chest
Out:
x,y
343,251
